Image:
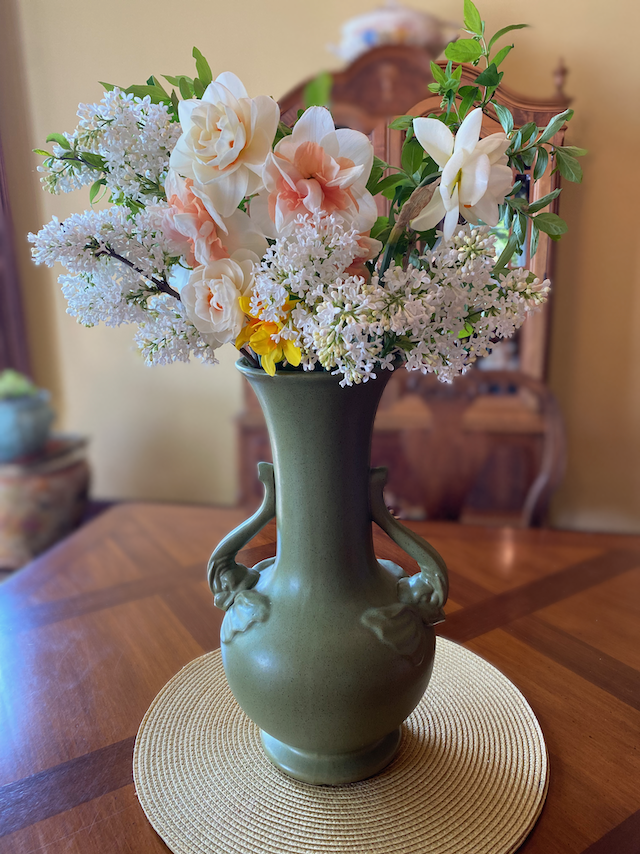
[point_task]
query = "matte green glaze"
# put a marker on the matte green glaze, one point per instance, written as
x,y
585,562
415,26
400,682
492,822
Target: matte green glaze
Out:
x,y
325,648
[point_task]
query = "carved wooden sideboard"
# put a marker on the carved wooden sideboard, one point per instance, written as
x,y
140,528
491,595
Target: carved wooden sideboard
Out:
x,y
500,428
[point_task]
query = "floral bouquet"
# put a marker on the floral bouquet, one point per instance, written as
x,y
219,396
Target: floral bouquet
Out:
x,y
225,226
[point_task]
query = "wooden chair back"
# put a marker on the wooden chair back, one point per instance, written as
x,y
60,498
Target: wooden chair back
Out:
x,y
488,448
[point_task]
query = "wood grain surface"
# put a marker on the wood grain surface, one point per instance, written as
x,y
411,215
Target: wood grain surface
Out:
x,y
91,631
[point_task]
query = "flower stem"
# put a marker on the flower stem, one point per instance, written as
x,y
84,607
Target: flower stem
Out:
x,y
160,284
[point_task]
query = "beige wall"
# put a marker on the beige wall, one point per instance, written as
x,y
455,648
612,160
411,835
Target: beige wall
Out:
x,y
167,433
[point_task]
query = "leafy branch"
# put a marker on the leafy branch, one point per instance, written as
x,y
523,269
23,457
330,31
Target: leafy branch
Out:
x,y
99,250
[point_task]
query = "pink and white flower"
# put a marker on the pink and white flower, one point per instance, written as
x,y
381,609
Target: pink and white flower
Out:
x,y
475,176
211,298
199,237
225,141
317,169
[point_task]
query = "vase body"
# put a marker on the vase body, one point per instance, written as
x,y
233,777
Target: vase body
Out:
x,y
302,643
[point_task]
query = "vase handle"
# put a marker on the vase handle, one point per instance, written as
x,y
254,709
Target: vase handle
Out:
x,y
427,590
227,578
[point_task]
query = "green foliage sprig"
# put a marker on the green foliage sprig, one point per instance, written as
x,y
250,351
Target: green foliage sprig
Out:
x,y
531,148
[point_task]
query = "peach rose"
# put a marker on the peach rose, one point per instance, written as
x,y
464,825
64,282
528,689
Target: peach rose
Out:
x,y
200,238
317,169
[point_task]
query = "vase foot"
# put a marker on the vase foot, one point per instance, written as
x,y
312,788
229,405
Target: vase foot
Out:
x,y
331,769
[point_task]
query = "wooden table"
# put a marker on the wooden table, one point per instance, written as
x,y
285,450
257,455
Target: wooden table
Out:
x,y
93,629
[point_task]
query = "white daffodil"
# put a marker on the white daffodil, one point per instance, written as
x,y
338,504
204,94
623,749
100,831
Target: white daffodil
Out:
x,y
475,175
226,139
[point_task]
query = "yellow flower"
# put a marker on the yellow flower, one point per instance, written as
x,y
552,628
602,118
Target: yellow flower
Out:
x,y
258,334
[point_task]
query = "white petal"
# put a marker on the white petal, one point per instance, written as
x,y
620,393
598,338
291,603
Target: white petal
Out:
x,y
330,144
267,115
367,211
185,108
243,235
469,133
435,138
233,83
494,146
313,124
475,179
450,172
486,210
217,94
430,215
357,147
259,213
500,182
450,223
227,192
347,177
201,192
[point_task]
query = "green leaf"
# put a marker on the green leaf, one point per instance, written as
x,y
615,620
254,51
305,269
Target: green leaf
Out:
x,y
95,189
463,50
468,100
62,141
568,166
527,155
400,191
467,330
551,224
490,76
434,87
42,152
317,92
535,236
527,131
387,183
92,160
174,81
504,116
506,255
555,124
379,226
374,176
472,19
541,163
503,32
573,149
438,73
412,154
198,87
174,103
156,93
202,67
536,206
520,228
501,55
402,123
516,142
186,88
109,87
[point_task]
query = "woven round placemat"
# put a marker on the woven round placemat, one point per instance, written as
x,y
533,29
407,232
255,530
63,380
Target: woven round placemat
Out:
x,y
470,777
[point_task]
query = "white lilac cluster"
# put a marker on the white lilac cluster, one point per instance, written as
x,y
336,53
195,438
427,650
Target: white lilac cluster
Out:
x,y
117,260
438,317
317,252
132,140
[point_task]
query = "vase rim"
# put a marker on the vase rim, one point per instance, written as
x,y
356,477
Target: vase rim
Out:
x,y
246,368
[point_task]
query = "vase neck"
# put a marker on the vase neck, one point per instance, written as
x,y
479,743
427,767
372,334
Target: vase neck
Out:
x,y
321,439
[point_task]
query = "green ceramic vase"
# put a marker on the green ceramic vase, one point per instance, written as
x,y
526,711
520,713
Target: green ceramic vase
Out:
x,y
327,649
